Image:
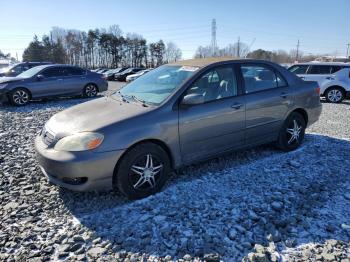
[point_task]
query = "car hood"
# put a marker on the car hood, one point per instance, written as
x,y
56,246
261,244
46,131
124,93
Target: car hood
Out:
x,y
93,115
4,80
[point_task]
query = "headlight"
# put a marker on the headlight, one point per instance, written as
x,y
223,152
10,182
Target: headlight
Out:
x,y
79,142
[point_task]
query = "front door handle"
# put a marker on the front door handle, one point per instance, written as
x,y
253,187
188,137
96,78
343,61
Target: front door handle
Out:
x,y
236,106
284,95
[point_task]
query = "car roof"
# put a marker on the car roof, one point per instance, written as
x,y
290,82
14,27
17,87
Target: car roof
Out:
x,y
324,63
203,62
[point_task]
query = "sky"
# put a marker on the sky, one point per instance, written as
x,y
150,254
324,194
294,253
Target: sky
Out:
x,y
321,26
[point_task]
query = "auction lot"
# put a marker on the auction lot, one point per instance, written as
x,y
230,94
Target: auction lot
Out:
x,y
221,208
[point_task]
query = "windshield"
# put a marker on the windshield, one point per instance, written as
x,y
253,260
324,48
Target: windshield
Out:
x,y
6,69
155,86
31,72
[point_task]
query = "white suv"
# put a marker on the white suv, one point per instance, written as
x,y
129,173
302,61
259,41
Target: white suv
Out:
x,y
333,78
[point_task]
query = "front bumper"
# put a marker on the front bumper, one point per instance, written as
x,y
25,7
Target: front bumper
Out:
x,y
62,168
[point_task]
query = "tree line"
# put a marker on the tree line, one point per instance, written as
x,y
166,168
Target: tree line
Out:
x,y
241,50
108,48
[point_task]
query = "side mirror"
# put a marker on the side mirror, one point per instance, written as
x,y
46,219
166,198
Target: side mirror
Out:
x,y
39,77
192,99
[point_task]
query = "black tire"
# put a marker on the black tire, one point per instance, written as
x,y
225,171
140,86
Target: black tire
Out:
x,y
90,90
19,97
291,125
334,95
127,178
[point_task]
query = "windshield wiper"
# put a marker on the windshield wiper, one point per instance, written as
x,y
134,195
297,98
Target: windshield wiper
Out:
x,y
139,100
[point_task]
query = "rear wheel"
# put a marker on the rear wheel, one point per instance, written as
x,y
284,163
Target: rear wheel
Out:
x,y
20,97
334,95
292,132
90,90
142,171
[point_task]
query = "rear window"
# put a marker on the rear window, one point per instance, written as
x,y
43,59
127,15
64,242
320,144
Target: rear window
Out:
x,y
335,69
298,69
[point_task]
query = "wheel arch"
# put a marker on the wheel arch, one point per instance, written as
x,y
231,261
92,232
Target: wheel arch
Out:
x,y
302,112
92,83
335,86
158,142
21,87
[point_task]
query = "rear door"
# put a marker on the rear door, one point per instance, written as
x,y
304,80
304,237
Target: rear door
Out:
x,y
319,73
218,123
74,80
267,98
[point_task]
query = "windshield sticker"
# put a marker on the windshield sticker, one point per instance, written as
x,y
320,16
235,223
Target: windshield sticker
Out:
x,y
188,68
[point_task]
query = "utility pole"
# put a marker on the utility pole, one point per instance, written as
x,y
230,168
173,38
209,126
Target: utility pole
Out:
x,y
347,51
213,38
238,47
297,55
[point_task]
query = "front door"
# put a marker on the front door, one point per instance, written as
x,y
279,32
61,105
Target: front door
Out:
x,y
50,84
217,124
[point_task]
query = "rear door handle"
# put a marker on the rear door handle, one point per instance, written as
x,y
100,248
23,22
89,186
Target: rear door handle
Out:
x,y
236,106
284,95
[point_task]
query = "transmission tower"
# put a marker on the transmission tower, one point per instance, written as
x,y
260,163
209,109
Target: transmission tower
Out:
x,y
213,38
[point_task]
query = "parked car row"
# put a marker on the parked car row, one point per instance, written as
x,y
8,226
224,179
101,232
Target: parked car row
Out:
x,y
122,73
19,68
49,81
333,78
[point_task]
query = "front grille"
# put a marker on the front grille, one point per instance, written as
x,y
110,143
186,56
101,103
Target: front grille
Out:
x,y
47,136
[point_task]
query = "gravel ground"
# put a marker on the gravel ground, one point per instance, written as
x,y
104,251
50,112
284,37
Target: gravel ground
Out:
x,y
256,205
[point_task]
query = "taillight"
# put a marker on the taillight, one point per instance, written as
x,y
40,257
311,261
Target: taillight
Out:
x,y
318,90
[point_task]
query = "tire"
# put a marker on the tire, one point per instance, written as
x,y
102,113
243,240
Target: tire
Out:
x,y
294,124
334,95
90,90
142,171
19,97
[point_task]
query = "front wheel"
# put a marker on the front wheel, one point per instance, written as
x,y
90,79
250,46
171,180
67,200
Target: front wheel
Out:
x,y
334,95
143,171
292,132
90,91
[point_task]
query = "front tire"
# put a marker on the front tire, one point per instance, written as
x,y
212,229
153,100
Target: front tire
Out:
x,y
292,132
20,97
143,171
334,95
90,90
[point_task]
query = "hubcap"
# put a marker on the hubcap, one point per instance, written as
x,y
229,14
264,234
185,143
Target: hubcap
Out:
x,y
145,172
90,91
334,95
20,97
294,132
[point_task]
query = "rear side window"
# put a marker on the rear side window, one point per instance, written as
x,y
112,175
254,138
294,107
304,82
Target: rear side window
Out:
x,y
74,71
298,69
52,72
335,69
258,78
320,70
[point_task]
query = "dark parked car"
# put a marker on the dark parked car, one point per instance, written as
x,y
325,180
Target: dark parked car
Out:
x,y
51,80
175,115
122,75
17,69
109,75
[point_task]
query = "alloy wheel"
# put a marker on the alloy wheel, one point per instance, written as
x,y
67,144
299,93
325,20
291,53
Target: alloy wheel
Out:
x,y
20,97
145,172
293,132
334,95
90,91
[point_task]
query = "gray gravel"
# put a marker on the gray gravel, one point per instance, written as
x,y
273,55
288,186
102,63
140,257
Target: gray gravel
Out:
x,y
255,204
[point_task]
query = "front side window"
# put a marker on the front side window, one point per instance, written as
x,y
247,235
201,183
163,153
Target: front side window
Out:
x,y
258,78
52,72
298,69
157,85
319,70
216,84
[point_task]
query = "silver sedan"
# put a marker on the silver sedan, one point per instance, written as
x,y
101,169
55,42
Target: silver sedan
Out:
x,y
173,116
